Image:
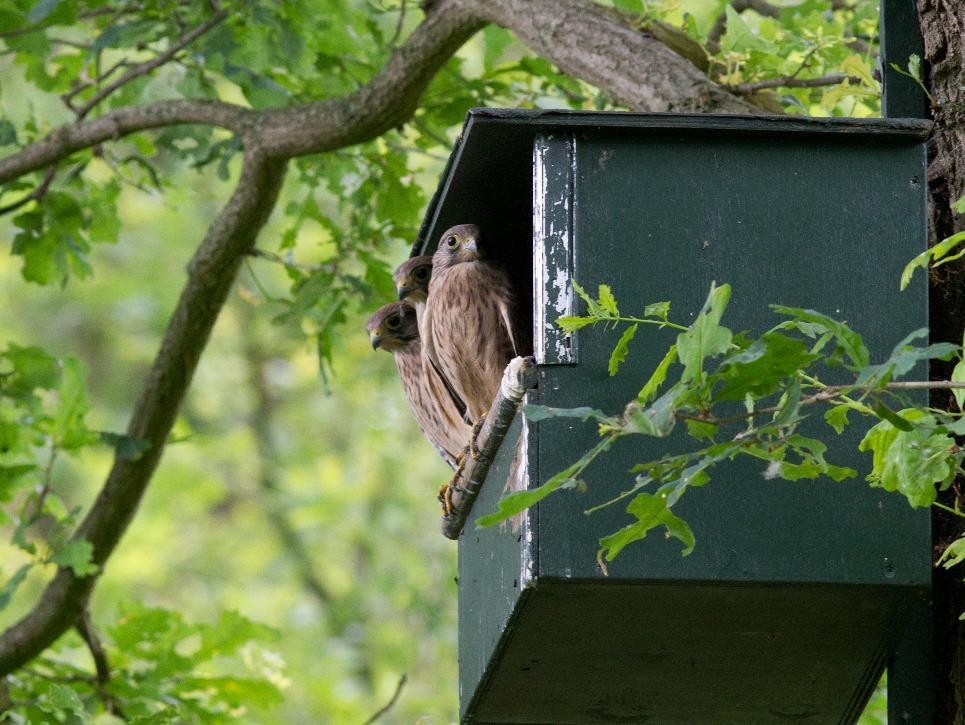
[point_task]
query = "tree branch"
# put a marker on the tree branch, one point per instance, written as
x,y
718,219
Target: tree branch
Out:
x,y
210,276
519,376
388,706
827,394
36,195
634,68
832,79
147,66
112,126
85,627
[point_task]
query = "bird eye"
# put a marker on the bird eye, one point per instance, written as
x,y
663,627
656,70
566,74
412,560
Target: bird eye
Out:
x,y
452,242
421,273
393,322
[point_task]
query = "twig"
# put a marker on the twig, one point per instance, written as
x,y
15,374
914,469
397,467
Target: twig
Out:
x,y
385,708
35,195
829,392
832,79
86,629
519,376
68,97
398,25
45,487
949,509
146,67
278,259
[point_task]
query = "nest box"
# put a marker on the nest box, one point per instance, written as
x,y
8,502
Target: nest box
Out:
x,y
797,595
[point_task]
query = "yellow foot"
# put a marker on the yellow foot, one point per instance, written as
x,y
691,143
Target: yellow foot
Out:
x,y
446,489
477,426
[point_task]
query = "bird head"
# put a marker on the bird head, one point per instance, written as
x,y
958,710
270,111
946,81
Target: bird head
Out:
x,y
458,244
392,327
412,279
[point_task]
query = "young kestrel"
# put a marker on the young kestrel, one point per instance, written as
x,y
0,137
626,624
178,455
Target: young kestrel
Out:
x,y
412,281
467,326
394,328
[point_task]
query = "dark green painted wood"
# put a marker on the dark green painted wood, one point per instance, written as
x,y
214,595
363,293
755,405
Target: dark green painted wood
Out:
x,y
901,97
797,594
495,567
821,224
490,165
911,669
671,654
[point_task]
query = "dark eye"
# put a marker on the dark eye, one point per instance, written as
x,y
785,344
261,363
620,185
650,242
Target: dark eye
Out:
x,y
393,322
452,242
421,273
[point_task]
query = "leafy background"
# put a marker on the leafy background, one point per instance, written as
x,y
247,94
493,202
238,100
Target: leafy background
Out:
x,y
285,565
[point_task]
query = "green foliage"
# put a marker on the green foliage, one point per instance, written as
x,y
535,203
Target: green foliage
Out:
x,y
650,511
935,256
777,376
164,670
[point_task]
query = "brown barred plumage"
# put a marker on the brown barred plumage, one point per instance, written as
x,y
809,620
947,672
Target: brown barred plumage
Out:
x,y
467,327
394,328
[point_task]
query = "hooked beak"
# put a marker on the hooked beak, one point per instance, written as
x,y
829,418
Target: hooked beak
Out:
x,y
404,292
375,340
473,249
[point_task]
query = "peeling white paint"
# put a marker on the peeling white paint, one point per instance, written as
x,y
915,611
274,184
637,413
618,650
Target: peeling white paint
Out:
x,y
527,564
553,254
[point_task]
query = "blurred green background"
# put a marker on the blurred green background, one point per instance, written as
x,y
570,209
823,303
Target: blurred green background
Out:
x,y
307,502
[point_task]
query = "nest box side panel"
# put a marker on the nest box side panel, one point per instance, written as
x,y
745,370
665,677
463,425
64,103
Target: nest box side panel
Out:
x,y
495,567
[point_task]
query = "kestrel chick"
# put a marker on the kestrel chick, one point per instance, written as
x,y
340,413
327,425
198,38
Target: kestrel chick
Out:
x,y
412,280
468,327
394,328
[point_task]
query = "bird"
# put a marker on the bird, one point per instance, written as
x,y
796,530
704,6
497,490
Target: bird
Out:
x,y
394,328
468,323
412,281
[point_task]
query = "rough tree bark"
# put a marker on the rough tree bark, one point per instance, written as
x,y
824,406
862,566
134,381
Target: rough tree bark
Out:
x,y
633,67
943,29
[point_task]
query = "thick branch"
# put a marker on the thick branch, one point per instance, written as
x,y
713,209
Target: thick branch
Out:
x,y
519,376
386,102
111,126
210,276
634,68
588,41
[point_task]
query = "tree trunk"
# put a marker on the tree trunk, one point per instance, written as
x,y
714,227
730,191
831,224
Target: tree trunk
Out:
x,y
943,29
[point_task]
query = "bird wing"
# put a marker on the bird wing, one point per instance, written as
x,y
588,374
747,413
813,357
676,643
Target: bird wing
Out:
x,y
431,354
505,313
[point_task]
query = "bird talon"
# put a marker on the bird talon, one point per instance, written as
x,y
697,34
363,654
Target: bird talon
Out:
x,y
446,489
477,426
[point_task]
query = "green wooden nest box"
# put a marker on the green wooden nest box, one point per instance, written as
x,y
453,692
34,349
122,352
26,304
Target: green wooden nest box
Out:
x,y
797,594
